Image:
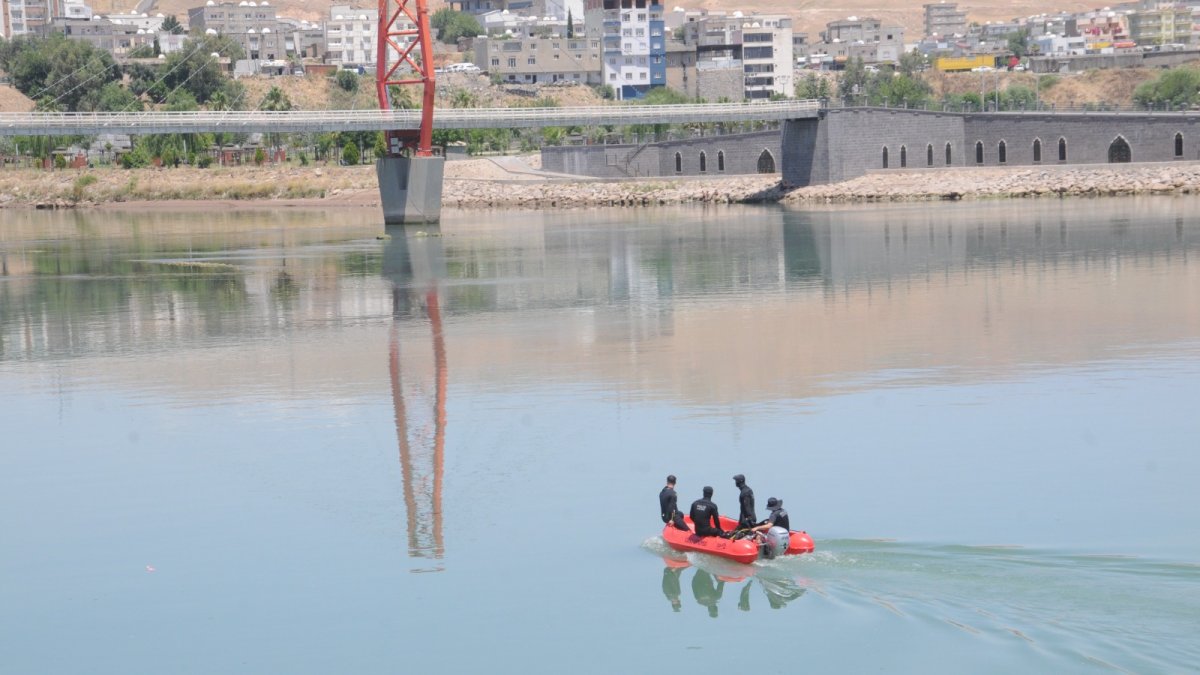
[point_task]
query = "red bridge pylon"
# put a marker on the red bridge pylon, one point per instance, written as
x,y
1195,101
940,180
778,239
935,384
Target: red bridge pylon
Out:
x,y
405,56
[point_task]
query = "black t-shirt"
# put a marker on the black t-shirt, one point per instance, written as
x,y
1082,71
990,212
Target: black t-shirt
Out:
x,y
779,518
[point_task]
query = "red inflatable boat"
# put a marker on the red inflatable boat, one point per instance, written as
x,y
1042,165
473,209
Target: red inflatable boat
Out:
x,y
741,550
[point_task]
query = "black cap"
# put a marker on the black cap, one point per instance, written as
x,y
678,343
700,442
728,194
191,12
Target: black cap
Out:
x,y
707,491
772,503
739,478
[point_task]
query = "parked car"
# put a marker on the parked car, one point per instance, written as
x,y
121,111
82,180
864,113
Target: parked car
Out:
x,y
982,69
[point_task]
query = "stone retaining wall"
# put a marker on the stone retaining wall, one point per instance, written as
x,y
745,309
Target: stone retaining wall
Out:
x,y
731,154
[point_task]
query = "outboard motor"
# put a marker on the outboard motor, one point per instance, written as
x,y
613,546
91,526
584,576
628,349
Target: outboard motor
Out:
x,y
777,540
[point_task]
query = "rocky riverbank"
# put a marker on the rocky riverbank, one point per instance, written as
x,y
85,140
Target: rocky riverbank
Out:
x,y
482,184
1005,183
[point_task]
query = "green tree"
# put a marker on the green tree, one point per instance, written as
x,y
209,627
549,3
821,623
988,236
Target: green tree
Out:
x,y
56,71
112,97
1178,88
275,100
912,63
570,25
171,25
895,89
813,86
347,80
350,153
1018,43
196,69
852,85
452,25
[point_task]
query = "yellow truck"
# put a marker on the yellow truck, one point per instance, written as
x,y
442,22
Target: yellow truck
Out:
x,y
950,64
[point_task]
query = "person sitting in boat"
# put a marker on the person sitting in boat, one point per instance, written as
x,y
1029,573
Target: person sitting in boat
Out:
x,y
776,527
668,503
705,517
746,517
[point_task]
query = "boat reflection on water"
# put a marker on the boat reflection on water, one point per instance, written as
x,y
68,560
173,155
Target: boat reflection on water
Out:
x,y
709,579
414,262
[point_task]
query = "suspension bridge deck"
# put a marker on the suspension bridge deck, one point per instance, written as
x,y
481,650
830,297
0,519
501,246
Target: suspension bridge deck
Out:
x,y
316,121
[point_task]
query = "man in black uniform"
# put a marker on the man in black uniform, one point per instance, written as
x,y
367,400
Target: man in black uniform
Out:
x,y
746,517
668,504
705,517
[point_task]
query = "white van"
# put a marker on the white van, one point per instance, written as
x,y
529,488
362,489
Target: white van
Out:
x,y
462,68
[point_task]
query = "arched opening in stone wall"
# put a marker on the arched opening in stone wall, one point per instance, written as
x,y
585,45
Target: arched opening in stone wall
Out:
x,y
766,162
1037,150
720,160
949,155
1002,152
1062,149
1179,145
929,155
885,157
703,162
678,163
979,152
903,156
1119,151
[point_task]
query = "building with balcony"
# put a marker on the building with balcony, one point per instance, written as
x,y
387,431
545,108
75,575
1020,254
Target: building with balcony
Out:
x,y
1160,24
762,43
350,36
115,38
540,59
633,44
944,19
253,25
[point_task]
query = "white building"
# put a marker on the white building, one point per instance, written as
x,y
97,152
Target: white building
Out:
x,y
633,44
150,24
350,36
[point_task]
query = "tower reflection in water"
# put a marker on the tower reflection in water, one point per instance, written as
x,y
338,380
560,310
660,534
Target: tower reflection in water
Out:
x,y
414,262
708,586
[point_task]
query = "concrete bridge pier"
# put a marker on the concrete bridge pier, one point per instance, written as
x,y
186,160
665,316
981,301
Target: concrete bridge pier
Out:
x,y
410,189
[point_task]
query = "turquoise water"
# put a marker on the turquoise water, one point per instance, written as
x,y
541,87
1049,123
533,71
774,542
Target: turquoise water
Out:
x,y
256,442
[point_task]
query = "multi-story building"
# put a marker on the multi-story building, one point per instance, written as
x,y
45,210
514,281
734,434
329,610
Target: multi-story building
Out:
x,y
867,38
350,36
540,59
944,19
1102,25
142,21
115,38
762,44
26,16
633,44
302,38
1159,24
539,8
252,25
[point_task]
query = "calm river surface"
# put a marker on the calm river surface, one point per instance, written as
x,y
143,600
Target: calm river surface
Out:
x,y
275,442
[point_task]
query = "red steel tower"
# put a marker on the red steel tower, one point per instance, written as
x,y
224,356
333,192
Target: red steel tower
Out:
x,y
405,56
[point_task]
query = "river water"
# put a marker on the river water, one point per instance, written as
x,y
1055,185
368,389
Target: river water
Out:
x,y
279,442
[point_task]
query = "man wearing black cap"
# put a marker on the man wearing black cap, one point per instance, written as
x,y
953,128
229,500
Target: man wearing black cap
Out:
x,y
746,517
776,518
705,517
668,504
776,527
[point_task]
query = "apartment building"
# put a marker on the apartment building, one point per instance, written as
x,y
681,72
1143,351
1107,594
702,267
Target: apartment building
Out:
x,y
110,36
253,25
1159,24
944,19
762,44
350,36
866,37
540,59
633,44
